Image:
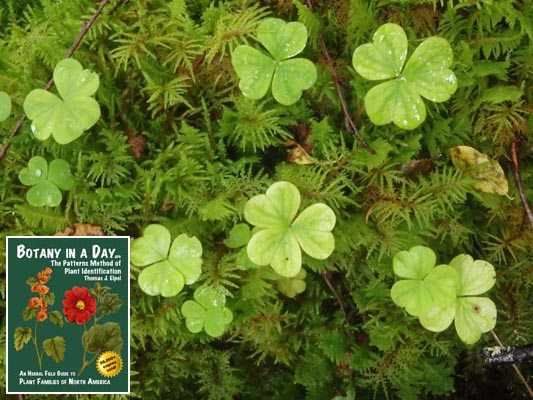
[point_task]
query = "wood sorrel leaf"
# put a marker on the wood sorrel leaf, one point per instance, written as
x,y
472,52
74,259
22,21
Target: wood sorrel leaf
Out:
x,y
67,118
169,267
5,106
419,296
488,174
414,263
385,56
289,77
46,181
283,40
280,236
438,318
207,311
387,102
290,287
476,276
254,69
238,236
427,70
474,316
426,74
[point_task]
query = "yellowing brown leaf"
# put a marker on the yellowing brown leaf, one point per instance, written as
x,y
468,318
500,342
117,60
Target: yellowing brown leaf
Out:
x,y
488,173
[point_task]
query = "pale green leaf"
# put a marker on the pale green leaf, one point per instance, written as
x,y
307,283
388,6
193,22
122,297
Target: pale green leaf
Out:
x,y
5,106
281,39
277,207
385,56
254,69
185,256
59,174
413,296
291,78
44,194
21,337
395,101
153,246
476,276
238,236
67,118
313,228
474,316
161,278
414,263
438,318
216,321
73,81
35,172
427,70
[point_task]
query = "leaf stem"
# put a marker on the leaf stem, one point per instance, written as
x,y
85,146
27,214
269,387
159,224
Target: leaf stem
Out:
x,y
85,28
348,122
520,376
325,276
515,156
34,340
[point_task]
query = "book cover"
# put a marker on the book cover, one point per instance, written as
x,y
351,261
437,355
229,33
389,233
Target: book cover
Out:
x,y
67,321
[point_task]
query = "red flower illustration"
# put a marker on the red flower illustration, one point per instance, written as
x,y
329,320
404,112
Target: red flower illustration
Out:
x,y
42,315
43,278
35,302
79,305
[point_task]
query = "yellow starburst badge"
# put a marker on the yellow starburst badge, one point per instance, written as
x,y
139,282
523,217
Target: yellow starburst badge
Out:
x,y
109,364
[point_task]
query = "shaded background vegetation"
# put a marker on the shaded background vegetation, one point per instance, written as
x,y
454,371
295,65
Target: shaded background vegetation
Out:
x,y
178,145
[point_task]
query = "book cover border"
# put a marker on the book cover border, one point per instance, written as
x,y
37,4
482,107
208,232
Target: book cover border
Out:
x,y
10,341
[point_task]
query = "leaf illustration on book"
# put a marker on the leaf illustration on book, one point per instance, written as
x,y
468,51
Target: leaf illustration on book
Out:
x,y
55,348
22,336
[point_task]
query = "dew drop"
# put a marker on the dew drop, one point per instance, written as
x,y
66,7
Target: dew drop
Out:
x,y
38,172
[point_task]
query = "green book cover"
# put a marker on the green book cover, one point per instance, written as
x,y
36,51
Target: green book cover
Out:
x,y
67,314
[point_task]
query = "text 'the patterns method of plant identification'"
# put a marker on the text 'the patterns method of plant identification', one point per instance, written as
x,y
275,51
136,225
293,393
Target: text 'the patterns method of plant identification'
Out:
x,y
207,311
426,74
67,118
169,267
289,76
438,295
46,180
278,236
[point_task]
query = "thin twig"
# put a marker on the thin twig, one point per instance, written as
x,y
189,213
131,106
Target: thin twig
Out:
x,y
348,121
337,297
515,156
85,28
520,376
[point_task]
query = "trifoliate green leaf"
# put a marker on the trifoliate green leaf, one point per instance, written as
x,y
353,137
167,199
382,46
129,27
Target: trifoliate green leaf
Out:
x,y
289,77
207,311
46,180
426,74
278,240
168,270
64,118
